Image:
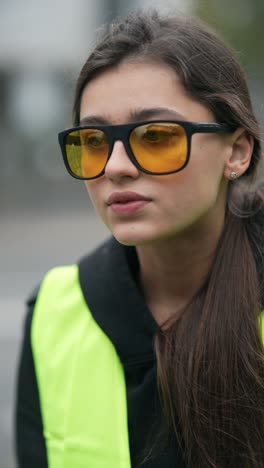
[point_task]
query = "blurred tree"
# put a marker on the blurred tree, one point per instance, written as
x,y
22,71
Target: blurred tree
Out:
x,y
240,22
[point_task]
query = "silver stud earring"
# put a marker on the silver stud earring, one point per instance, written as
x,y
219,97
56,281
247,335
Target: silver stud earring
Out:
x,y
233,175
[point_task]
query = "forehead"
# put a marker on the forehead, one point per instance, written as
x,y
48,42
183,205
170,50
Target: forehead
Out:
x,y
118,92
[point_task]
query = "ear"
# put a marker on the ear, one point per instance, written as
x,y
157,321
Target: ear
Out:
x,y
239,158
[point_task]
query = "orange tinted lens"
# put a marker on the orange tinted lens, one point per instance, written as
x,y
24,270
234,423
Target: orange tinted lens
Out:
x,y
87,151
159,147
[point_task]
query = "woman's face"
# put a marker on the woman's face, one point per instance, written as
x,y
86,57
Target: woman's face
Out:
x,y
170,204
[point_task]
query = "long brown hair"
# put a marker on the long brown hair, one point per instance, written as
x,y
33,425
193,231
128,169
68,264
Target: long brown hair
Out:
x,y
210,361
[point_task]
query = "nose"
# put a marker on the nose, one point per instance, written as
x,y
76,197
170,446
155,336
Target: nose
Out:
x,y
119,165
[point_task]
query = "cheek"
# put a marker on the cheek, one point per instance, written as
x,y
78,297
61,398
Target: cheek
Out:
x,y
209,155
206,167
192,194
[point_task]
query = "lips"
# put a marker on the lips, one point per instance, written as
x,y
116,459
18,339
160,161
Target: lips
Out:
x,y
126,203
125,197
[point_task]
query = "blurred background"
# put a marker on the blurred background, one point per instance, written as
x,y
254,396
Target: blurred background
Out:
x,y
45,216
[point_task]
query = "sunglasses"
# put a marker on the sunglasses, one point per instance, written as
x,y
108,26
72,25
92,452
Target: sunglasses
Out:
x,y
157,147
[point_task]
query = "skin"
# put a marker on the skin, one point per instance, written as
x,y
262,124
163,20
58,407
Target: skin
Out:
x,y
177,231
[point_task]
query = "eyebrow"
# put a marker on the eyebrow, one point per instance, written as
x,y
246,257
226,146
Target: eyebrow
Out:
x,y
134,116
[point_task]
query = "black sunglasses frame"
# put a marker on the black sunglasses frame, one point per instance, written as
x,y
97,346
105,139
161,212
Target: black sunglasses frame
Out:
x,y
122,132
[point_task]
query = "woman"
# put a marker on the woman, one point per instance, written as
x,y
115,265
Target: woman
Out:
x,y
149,352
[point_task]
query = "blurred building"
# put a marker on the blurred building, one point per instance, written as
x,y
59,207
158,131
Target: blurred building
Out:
x,y
42,46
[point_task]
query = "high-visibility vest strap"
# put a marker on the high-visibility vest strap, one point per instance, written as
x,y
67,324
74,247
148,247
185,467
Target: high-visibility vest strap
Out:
x,y
80,378
262,325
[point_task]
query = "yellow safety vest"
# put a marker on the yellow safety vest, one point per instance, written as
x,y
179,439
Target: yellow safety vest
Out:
x,y
80,378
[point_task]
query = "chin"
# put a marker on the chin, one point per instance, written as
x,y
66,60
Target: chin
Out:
x,y
136,236
132,236
129,241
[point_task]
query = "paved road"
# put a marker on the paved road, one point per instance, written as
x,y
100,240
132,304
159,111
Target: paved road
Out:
x,y
29,246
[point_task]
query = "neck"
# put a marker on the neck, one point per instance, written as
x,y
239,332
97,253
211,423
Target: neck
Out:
x,y
173,270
